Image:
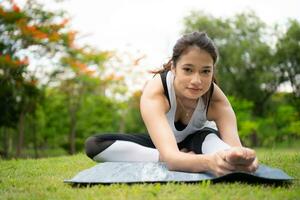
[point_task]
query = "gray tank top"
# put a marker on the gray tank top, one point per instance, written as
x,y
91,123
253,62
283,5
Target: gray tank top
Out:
x,y
198,120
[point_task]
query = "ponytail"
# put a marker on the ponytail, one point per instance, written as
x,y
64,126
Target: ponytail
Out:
x,y
166,67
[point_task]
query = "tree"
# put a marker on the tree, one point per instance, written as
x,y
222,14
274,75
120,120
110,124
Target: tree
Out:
x,y
288,59
27,32
83,80
133,120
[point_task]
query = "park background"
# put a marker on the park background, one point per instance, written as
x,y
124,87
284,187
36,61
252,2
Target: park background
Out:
x,y
66,74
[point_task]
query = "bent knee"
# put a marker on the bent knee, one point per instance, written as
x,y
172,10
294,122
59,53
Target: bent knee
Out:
x,y
96,144
89,146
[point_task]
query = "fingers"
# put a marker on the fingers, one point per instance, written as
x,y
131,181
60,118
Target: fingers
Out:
x,y
240,156
240,159
248,168
221,166
250,154
255,165
223,163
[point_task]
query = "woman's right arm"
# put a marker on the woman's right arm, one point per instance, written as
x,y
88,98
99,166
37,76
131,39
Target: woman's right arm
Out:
x,y
153,107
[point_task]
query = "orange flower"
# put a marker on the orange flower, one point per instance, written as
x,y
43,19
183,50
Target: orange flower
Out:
x,y
34,32
71,37
16,8
81,66
31,28
25,61
40,35
2,11
7,58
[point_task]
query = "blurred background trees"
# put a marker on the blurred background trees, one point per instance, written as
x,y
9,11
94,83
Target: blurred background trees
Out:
x,y
55,93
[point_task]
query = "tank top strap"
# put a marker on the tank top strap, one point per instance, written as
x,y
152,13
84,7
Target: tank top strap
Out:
x,y
163,77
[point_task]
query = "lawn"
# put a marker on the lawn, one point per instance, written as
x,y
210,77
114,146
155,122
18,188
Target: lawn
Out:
x,y
43,179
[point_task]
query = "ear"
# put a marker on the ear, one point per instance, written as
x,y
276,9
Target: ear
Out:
x,y
173,68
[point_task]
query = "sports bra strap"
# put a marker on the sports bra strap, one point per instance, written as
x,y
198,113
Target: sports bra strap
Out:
x,y
210,95
163,76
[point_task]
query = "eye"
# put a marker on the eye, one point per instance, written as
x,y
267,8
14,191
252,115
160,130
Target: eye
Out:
x,y
187,70
206,71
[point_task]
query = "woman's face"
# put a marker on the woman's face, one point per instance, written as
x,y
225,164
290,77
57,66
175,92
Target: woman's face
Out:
x,y
193,73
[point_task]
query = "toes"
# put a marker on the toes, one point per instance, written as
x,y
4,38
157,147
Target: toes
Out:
x,y
240,155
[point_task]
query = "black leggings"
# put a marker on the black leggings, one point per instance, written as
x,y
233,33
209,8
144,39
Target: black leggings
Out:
x,y
98,143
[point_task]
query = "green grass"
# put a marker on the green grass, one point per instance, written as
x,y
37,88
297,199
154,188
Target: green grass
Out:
x,y
43,179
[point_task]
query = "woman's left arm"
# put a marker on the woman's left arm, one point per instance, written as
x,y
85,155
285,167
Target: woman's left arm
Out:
x,y
222,113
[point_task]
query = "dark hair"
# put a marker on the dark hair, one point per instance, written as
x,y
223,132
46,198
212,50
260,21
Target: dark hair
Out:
x,y
203,42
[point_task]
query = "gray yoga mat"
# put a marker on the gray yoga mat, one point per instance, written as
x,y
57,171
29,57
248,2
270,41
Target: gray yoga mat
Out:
x,y
151,172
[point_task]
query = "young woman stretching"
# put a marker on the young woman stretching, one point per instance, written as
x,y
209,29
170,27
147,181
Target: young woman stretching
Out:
x,y
191,124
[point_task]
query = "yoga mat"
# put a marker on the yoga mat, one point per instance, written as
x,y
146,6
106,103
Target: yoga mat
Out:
x,y
151,172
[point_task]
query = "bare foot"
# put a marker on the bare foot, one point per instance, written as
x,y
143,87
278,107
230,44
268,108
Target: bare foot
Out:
x,y
240,156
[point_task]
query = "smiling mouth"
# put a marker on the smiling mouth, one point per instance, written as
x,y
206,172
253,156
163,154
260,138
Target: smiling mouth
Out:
x,y
194,89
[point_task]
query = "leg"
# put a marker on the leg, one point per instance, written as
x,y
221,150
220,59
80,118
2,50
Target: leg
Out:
x,y
203,141
121,147
213,143
234,155
208,141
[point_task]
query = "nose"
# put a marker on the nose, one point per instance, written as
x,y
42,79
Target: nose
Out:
x,y
196,79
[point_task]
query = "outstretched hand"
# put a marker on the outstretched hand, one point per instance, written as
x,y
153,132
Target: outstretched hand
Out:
x,y
233,159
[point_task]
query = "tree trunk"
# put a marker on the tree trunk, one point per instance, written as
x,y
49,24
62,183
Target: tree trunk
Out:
x,y
5,142
74,103
72,135
122,121
254,139
20,135
35,146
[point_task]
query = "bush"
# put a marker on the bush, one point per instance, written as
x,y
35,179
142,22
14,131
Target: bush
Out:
x,y
280,124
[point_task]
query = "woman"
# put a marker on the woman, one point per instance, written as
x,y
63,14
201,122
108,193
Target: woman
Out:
x,y
191,124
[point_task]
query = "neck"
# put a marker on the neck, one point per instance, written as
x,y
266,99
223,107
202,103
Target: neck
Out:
x,y
186,102
187,105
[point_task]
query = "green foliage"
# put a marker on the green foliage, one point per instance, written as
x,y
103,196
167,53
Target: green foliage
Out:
x,y
52,119
98,115
25,32
281,125
33,31
247,124
133,120
288,59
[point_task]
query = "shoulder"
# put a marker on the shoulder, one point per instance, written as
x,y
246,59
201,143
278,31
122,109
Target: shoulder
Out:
x,y
218,102
218,95
154,91
153,88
